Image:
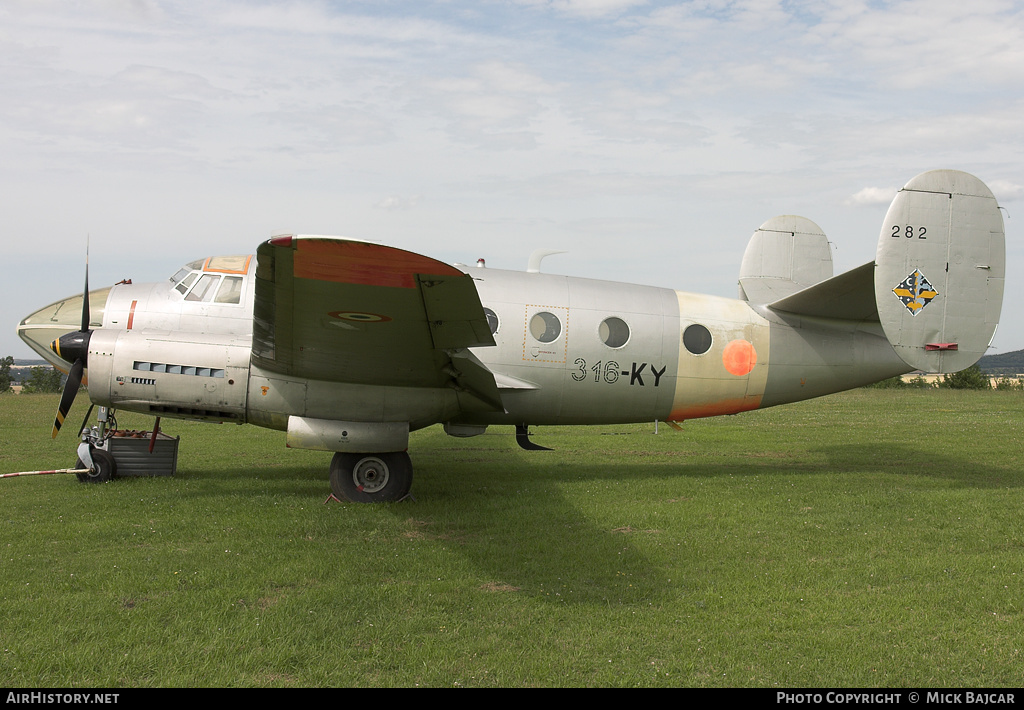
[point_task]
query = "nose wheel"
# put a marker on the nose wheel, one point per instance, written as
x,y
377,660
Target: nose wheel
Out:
x,y
370,478
104,468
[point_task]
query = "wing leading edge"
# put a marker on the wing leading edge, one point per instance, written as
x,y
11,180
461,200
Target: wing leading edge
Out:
x,y
355,312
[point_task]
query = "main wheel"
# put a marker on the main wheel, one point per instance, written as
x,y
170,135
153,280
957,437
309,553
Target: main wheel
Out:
x,y
371,478
104,467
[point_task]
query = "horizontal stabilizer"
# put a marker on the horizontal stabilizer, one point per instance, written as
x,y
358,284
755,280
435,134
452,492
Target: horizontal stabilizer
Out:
x,y
939,271
849,296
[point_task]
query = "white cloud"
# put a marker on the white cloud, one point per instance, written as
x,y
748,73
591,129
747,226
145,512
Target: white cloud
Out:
x,y
614,227
1006,191
493,104
587,8
398,202
871,196
913,45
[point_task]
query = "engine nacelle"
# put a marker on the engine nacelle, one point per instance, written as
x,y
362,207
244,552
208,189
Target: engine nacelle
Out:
x,y
182,375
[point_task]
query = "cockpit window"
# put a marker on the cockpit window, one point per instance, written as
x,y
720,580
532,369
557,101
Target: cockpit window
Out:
x,y
200,290
181,273
227,264
230,290
201,280
186,282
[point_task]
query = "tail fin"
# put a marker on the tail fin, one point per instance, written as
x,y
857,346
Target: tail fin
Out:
x,y
785,255
939,271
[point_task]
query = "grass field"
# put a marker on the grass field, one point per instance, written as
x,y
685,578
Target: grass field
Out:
x,y
873,538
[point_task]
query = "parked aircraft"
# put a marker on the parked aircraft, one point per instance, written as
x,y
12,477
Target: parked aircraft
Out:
x,y
347,346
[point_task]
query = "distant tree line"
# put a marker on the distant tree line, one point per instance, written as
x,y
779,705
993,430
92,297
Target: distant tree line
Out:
x,y
43,379
40,379
5,374
971,378
1010,363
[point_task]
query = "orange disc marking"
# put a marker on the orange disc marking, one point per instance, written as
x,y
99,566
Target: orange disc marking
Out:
x,y
739,357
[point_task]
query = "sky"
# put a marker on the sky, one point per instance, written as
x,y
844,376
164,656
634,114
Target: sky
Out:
x,y
648,139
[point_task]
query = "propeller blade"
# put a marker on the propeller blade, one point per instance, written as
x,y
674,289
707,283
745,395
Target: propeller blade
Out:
x,y
74,346
85,292
67,398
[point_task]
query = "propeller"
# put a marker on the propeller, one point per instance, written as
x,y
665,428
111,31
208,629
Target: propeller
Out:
x,y
73,347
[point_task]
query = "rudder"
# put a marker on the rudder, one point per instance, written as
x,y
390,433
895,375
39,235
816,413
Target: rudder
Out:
x,y
939,271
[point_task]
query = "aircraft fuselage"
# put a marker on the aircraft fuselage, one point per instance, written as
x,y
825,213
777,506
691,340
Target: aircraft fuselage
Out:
x,y
567,351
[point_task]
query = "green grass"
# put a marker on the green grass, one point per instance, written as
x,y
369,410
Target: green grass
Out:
x,y
872,538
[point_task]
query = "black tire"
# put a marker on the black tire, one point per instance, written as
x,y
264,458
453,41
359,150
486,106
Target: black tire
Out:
x,y
371,478
104,468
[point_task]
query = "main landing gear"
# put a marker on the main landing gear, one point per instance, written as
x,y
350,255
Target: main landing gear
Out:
x,y
370,478
378,478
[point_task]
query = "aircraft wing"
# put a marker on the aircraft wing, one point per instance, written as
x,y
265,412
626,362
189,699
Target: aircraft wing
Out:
x,y
356,312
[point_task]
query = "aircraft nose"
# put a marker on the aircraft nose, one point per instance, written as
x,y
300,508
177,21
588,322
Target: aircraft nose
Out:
x,y
42,327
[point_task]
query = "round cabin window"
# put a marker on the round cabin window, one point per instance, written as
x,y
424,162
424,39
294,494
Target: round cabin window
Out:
x,y
697,339
492,320
545,326
613,332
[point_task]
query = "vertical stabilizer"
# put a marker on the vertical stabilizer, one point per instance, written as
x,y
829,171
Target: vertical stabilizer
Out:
x,y
785,255
939,271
